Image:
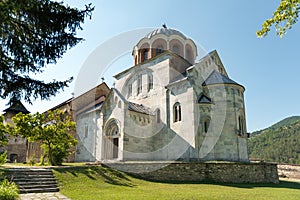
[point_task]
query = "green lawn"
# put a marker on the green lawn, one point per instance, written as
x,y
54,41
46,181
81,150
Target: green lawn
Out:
x,y
96,182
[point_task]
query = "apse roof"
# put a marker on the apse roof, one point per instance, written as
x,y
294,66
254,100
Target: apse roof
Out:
x,y
218,78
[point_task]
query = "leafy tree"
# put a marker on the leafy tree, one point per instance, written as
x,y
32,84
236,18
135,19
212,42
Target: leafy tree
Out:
x,y
284,18
51,129
3,132
34,33
3,158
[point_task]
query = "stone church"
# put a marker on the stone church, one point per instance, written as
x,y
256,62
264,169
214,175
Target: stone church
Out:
x,y
169,107
165,107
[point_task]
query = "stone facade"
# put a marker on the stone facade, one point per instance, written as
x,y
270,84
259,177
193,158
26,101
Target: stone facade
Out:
x,y
86,109
216,172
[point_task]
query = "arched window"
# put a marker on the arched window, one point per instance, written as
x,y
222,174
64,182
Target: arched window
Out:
x,y
177,112
150,82
206,124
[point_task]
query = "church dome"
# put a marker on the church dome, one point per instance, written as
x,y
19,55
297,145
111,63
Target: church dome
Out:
x,y
164,39
165,31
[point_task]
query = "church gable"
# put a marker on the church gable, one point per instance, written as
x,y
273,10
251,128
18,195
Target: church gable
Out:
x,y
203,99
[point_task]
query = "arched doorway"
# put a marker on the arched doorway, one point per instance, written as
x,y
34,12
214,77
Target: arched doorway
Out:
x,y
13,158
112,134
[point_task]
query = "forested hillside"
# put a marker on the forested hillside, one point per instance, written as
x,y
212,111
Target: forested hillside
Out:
x,y
278,143
285,122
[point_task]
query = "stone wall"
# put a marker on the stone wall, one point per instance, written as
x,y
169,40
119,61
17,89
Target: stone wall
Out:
x,y
218,172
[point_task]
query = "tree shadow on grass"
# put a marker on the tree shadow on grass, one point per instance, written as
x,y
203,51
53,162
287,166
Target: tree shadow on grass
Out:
x,y
109,175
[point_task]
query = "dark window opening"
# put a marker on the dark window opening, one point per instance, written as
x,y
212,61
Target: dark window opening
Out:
x,y
177,112
115,147
206,125
145,56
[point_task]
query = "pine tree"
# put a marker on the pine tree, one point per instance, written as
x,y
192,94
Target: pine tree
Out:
x,y
34,33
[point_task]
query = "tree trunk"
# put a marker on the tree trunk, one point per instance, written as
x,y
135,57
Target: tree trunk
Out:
x,y
52,162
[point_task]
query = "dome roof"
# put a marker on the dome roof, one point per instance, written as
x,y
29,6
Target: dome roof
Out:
x,y
165,31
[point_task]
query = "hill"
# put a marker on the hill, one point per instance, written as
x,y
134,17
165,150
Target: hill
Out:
x,y
285,122
278,143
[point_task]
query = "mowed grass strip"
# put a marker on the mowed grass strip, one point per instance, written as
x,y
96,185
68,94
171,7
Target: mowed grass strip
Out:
x,y
96,182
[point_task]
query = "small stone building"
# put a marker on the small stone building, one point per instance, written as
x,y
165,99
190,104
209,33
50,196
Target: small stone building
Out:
x,y
17,146
83,110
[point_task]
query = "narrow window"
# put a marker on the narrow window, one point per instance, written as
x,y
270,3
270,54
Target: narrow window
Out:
x,y
177,112
206,124
86,130
158,115
139,84
130,90
240,125
145,54
150,82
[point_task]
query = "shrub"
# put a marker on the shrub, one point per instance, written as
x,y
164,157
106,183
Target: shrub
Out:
x,y
32,160
8,190
3,158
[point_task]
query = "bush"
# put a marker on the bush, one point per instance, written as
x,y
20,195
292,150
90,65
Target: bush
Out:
x,y
3,158
8,190
32,160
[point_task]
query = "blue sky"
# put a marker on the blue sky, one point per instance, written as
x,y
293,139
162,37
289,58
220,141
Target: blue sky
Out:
x,y
267,67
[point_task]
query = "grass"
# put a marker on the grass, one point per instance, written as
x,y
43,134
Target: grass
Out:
x,y
96,182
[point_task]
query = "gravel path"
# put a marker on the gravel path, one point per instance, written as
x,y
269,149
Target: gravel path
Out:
x,y
43,196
